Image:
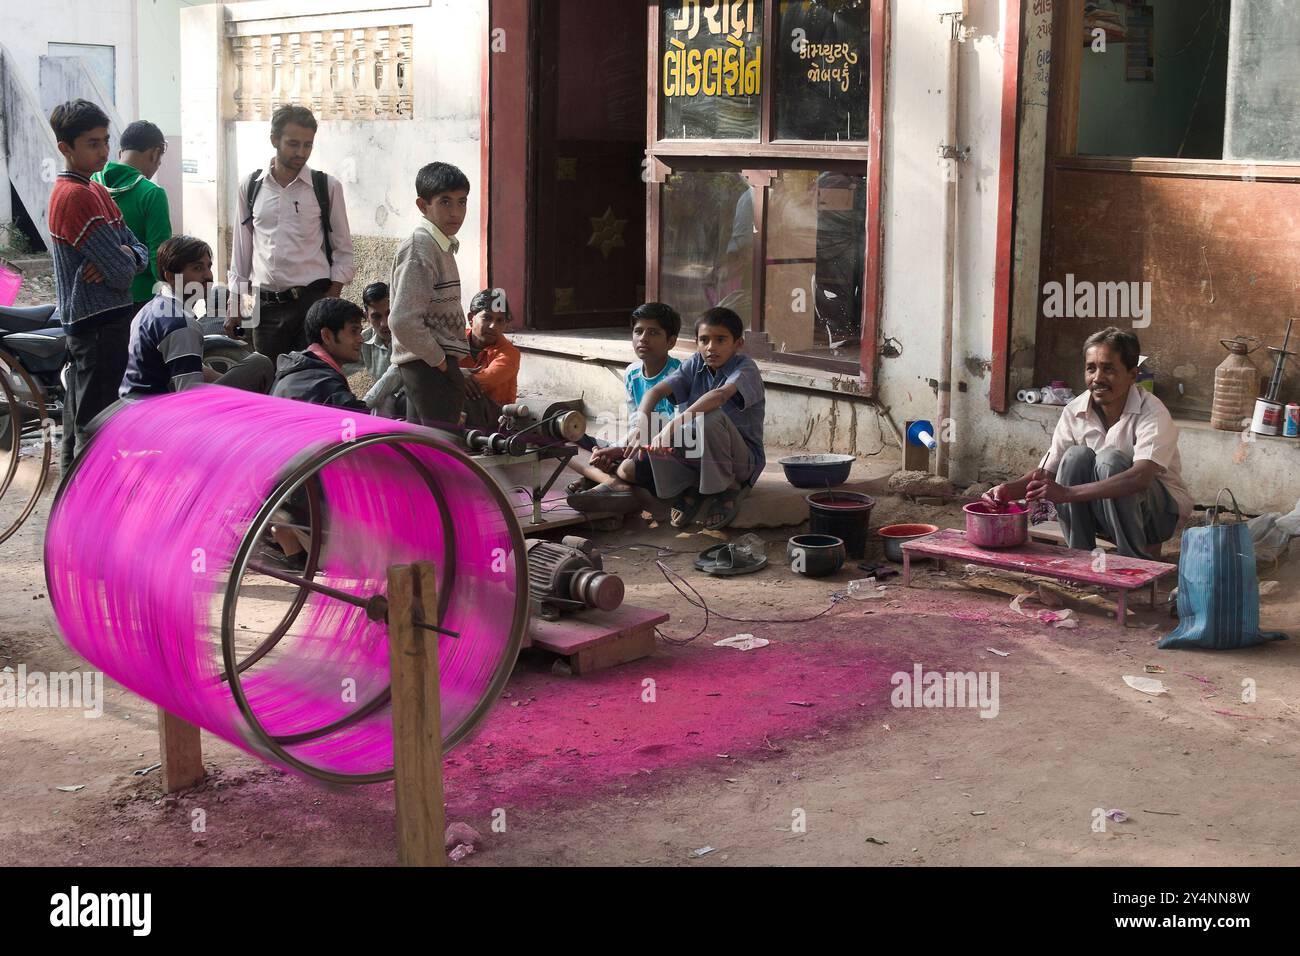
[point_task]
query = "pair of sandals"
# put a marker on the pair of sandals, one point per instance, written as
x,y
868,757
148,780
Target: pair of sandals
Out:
x,y
723,509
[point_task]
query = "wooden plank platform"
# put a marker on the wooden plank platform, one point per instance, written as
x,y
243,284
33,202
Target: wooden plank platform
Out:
x,y
1050,532
1121,574
592,639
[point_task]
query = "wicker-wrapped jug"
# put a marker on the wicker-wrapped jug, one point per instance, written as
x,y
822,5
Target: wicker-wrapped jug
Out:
x,y
1236,385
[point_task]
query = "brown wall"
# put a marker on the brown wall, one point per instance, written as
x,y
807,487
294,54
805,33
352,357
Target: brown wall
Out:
x,y
1222,255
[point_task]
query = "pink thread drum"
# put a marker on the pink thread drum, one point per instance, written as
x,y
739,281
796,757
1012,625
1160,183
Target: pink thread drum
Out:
x,y
152,534
990,526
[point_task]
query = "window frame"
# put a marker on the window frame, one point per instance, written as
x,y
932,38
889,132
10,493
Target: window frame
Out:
x,y
1064,98
759,160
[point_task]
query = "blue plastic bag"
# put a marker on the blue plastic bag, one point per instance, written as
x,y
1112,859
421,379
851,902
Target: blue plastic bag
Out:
x,y
1218,593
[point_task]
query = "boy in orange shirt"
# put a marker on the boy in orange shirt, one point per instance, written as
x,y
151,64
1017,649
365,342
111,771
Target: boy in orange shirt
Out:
x,y
492,366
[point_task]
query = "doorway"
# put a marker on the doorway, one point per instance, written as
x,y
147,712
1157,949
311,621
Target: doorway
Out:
x,y
589,247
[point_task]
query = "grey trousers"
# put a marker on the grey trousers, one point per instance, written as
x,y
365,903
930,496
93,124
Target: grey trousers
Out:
x,y
482,413
253,374
708,456
1134,524
434,399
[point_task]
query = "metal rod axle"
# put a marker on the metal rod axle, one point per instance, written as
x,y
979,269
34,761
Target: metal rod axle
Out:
x,y
375,606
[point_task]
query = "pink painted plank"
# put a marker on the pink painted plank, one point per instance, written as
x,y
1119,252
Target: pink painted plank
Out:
x,y
590,628
1045,559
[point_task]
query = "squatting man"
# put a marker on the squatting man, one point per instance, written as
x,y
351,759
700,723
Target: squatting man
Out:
x,y
1114,469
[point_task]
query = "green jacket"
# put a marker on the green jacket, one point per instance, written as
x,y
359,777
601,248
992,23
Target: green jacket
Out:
x,y
144,207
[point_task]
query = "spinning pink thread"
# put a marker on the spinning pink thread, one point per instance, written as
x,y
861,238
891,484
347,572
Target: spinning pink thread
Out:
x,y
142,542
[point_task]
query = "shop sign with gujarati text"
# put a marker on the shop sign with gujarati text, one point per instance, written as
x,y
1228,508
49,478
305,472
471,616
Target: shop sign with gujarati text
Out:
x,y
732,69
831,62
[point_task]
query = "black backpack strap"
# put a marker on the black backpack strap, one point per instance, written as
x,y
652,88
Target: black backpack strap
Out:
x,y
321,184
251,189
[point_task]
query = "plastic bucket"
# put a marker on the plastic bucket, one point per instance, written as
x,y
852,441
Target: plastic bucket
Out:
x,y
843,514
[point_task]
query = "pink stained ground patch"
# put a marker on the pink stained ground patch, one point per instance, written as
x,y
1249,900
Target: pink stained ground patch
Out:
x,y
583,736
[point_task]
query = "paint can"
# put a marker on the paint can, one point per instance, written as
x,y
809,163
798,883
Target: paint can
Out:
x,y
1268,417
1292,428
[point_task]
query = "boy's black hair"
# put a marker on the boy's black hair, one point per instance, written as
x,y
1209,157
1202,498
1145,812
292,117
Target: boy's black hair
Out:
x,y
180,251
438,178
719,315
375,292
142,136
330,314
1121,341
289,113
665,315
76,118
489,300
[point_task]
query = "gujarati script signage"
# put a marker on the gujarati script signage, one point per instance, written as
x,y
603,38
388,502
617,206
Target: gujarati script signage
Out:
x,y
732,69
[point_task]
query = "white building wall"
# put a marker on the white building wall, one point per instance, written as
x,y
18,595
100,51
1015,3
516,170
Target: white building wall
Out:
x,y
376,160
158,40
27,29
913,215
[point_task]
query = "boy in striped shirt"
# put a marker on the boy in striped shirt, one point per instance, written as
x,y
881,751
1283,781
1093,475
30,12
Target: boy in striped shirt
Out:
x,y
96,259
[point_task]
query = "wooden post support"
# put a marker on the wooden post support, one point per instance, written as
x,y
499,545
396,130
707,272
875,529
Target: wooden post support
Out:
x,y
417,717
181,752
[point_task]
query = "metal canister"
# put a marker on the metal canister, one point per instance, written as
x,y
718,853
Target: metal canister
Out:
x,y
1291,426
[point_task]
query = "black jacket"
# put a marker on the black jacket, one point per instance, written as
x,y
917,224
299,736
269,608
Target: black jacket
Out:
x,y
304,377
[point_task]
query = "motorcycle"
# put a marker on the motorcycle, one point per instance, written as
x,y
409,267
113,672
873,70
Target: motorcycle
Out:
x,y
37,343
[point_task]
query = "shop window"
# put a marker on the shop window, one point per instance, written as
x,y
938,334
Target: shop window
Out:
x,y
711,69
1153,81
816,244
823,70
762,171
1189,79
707,243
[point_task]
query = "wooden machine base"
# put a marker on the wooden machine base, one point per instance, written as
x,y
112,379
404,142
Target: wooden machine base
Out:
x,y
592,640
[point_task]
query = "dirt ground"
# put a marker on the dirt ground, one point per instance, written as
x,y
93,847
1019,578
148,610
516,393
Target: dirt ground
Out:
x,y
789,754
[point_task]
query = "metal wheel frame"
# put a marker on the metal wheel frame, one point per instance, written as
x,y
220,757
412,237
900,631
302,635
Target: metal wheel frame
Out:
x,y
239,568
8,364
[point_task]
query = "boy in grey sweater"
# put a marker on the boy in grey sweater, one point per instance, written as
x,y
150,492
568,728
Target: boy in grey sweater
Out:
x,y
427,319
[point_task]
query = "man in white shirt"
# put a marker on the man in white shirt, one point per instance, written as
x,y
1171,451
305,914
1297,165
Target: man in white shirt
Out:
x,y
1113,469
292,246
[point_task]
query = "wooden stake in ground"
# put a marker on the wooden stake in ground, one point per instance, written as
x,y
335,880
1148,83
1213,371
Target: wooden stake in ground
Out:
x,y
181,751
417,717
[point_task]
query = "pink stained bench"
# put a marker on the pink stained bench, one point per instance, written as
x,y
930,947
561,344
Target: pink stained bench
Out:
x,y
1049,560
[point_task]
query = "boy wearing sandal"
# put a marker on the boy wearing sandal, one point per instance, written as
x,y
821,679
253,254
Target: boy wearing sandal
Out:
x,y
655,327
720,393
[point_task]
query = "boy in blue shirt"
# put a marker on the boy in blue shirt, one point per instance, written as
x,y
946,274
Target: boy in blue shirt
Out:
x,y
655,327
711,452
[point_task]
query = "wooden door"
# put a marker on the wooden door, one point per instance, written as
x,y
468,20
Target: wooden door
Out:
x,y
589,226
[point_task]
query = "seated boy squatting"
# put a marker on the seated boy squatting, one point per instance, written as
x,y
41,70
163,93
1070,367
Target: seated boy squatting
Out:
x,y
490,371
655,327
710,452
166,346
333,328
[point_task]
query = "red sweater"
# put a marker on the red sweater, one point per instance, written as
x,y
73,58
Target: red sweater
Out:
x,y
87,226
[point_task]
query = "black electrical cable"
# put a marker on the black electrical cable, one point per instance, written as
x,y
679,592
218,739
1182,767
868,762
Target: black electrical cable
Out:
x,y
668,574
